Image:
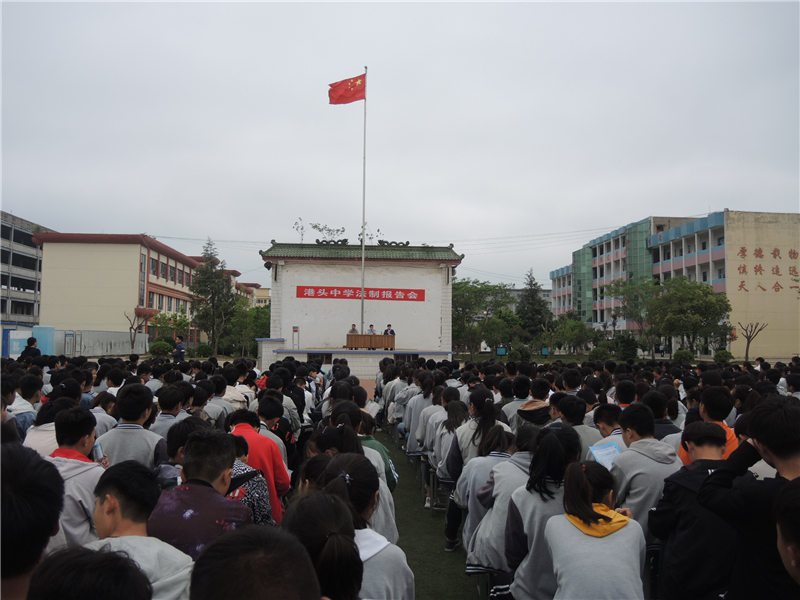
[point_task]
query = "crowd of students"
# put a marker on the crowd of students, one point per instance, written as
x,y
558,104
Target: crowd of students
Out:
x,y
605,480
159,479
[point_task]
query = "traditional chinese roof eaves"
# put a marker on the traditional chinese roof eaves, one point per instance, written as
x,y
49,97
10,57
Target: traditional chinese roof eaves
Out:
x,y
441,254
252,285
114,238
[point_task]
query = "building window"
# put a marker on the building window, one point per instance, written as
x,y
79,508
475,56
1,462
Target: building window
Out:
x,y
172,274
703,245
161,302
169,303
188,279
721,241
163,270
151,299
721,273
154,267
705,276
180,277
688,248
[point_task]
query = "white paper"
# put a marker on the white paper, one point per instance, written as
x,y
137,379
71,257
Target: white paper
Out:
x,y
606,453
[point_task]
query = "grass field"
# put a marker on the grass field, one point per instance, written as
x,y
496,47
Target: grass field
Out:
x,y
438,575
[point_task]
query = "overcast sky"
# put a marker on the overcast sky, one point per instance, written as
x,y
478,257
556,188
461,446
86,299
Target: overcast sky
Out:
x,y
518,132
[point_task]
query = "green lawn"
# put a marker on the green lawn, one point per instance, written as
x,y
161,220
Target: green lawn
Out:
x,y
439,575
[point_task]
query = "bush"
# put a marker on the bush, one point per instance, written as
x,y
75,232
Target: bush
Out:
x,y
723,356
165,340
599,354
160,348
204,351
191,353
683,356
627,346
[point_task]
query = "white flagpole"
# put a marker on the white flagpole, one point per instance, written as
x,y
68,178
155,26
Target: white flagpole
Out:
x,y
364,203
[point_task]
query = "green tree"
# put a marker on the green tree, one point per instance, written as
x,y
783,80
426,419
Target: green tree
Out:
x,y
247,324
573,333
169,325
215,300
532,309
691,311
474,303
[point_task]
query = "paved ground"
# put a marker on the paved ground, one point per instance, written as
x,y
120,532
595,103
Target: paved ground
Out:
x,y
439,575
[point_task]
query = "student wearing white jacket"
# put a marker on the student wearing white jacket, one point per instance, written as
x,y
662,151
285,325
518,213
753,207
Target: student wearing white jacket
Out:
x,y
75,435
127,494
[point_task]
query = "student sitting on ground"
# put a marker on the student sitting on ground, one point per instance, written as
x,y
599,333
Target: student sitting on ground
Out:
x,y
126,496
248,485
787,515
168,473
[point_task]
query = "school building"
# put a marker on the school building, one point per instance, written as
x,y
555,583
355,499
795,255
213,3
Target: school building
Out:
x,y
315,297
96,282
750,256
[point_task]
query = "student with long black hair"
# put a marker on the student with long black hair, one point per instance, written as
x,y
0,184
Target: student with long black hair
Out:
x,y
531,506
386,572
324,525
581,541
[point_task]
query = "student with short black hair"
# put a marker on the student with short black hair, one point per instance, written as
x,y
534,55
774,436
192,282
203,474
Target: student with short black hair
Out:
x,y
252,562
80,573
657,402
169,401
196,512
32,499
168,473
30,393
114,380
534,411
129,440
698,546
581,541
126,495
248,485
640,471
572,411
75,436
758,571
715,404
521,391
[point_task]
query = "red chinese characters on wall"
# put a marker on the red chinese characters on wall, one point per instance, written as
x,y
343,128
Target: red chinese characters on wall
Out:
x,y
354,293
759,270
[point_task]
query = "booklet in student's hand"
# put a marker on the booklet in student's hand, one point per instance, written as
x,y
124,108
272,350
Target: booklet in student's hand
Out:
x,y
606,453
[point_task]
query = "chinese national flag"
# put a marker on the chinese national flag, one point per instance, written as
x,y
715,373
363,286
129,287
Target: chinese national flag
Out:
x,y
349,90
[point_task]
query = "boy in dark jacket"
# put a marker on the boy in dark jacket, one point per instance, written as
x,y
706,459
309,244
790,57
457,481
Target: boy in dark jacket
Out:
x,y
774,435
698,546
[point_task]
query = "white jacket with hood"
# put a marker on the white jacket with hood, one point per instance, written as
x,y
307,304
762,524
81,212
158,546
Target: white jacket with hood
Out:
x,y
76,523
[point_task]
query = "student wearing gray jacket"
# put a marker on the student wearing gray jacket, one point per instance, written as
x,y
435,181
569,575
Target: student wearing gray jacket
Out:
x,y
581,541
641,470
532,506
487,547
492,451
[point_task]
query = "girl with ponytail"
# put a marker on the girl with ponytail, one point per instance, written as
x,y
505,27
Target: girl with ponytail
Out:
x,y
386,573
341,438
464,448
414,409
323,524
530,507
581,540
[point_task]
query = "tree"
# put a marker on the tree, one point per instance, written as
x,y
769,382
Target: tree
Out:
x,y
168,325
690,310
532,309
135,322
572,333
635,298
474,303
247,324
750,331
215,300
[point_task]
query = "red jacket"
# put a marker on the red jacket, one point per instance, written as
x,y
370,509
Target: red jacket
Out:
x,y
266,457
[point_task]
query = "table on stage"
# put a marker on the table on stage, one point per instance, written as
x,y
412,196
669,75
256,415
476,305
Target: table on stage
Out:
x,y
360,340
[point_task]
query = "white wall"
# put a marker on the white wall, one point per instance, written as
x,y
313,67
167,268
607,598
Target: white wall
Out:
x,y
324,322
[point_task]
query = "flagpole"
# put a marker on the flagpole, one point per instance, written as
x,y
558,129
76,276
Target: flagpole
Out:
x,y
364,202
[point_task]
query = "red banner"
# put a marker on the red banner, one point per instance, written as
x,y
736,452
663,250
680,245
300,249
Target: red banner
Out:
x,y
351,293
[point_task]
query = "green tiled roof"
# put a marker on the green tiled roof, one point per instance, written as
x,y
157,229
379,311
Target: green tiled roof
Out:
x,y
386,251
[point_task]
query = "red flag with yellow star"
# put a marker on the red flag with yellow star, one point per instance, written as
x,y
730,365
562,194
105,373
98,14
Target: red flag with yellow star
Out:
x,y
349,90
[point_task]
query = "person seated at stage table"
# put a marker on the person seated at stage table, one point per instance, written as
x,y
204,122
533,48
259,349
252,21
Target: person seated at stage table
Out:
x,y
353,331
371,331
388,331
